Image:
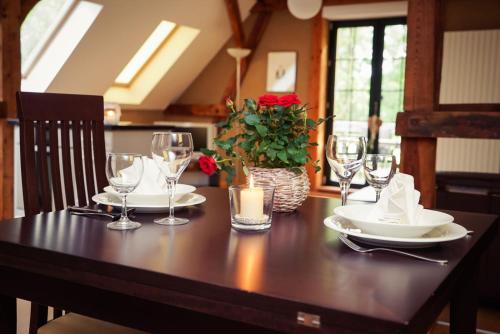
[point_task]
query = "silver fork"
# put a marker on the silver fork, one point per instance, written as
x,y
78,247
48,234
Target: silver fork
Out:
x,y
100,214
360,249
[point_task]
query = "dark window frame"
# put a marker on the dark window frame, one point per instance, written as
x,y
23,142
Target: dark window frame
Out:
x,y
376,78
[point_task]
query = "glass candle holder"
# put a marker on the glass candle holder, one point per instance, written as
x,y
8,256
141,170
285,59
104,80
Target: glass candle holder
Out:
x,y
251,207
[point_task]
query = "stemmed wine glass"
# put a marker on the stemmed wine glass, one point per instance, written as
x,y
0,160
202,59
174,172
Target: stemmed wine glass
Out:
x,y
124,172
172,152
345,156
379,170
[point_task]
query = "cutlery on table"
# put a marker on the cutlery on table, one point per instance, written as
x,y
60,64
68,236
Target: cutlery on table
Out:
x,y
81,211
360,249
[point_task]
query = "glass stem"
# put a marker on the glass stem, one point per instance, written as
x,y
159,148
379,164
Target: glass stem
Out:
x,y
171,192
124,216
377,194
344,190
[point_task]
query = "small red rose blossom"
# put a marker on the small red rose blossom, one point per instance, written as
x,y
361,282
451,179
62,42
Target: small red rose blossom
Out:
x,y
207,164
268,100
229,102
288,100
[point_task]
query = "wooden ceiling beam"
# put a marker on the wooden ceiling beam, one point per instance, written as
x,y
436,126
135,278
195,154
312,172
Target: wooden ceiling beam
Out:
x,y
450,124
26,7
205,110
233,12
268,5
252,43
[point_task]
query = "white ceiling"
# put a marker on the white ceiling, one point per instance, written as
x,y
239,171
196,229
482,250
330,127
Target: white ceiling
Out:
x,y
122,27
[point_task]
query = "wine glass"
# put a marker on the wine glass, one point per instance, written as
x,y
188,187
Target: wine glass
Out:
x,y
124,172
379,170
345,156
172,152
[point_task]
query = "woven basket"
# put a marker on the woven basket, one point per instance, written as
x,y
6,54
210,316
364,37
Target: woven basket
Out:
x,y
291,188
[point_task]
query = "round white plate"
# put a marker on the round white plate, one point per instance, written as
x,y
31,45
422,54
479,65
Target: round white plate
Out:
x,y
153,199
186,200
445,233
359,215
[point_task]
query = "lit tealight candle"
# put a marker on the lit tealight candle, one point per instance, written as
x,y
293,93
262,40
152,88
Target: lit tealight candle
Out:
x,y
252,202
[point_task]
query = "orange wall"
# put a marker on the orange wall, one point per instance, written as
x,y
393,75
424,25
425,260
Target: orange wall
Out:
x,y
283,33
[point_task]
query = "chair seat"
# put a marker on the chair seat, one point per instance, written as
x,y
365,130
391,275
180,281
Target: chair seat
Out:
x,y
73,323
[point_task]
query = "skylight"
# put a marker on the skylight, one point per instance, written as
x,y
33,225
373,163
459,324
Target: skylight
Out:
x,y
145,52
36,30
154,65
74,18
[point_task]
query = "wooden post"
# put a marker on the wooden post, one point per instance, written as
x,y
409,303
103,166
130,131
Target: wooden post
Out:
x,y
11,82
418,155
317,92
233,12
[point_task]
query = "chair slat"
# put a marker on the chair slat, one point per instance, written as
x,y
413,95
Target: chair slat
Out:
x,y
46,198
28,170
89,163
99,154
77,158
66,159
54,168
38,317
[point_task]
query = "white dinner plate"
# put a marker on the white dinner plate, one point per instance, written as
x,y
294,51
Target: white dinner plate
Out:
x,y
154,199
445,233
359,215
186,200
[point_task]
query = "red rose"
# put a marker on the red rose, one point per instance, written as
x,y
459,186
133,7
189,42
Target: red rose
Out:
x,y
288,100
207,164
268,100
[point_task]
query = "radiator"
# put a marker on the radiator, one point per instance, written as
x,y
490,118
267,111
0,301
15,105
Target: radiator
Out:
x,y
470,74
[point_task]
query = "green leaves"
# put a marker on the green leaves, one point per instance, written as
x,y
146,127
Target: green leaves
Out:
x,y
208,152
262,130
283,156
263,136
252,119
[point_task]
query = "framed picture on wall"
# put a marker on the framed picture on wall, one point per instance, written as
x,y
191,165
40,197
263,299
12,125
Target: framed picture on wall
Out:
x,y
281,71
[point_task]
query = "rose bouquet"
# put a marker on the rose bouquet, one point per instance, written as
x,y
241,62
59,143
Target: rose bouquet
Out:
x,y
270,133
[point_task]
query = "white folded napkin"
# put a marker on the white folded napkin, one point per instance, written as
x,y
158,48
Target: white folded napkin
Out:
x,y
398,202
152,181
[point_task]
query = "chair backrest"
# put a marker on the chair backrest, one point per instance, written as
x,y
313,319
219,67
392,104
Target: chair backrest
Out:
x,y
62,149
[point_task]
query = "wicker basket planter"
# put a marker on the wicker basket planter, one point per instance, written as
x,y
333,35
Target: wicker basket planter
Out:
x,y
291,188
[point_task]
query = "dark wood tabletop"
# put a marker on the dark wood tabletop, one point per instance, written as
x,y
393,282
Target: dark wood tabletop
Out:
x,y
261,279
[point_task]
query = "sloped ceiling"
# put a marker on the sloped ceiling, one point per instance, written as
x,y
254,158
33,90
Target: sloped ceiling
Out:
x,y
122,27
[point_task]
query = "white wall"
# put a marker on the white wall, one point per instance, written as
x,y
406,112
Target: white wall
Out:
x,y
470,74
122,27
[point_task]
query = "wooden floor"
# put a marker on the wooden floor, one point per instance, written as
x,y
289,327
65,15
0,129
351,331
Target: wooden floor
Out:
x,y
488,320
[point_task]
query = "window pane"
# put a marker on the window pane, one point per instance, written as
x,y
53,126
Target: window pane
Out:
x,y
353,71
352,75
393,68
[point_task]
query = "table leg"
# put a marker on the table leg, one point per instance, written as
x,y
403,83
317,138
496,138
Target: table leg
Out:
x,y
464,303
8,315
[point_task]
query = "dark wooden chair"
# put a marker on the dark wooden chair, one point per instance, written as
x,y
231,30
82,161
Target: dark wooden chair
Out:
x,y
62,164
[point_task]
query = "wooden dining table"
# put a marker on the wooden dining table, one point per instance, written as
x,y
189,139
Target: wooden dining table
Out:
x,y
296,277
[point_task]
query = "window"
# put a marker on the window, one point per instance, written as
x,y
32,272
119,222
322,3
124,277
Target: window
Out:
x,y
145,52
366,82
151,62
49,35
40,24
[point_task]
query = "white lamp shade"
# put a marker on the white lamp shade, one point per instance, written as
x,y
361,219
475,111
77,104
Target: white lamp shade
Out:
x,y
238,53
304,9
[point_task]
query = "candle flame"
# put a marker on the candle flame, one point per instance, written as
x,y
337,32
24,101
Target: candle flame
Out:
x,y
251,181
